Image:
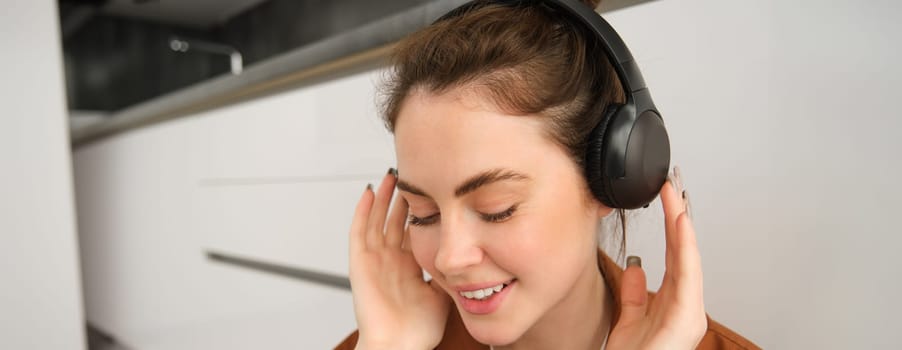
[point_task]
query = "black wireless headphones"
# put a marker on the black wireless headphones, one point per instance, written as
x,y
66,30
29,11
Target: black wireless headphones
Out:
x,y
628,155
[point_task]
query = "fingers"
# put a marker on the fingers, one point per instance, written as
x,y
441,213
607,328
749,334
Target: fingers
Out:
x,y
674,203
633,293
375,236
405,241
683,258
671,203
394,233
357,239
689,284
680,188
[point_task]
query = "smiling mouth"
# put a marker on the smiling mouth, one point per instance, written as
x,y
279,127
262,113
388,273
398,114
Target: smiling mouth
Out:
x,y
479,303
485,293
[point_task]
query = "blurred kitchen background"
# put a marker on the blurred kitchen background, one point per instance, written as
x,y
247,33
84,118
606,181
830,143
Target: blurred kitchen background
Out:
x,y
180,174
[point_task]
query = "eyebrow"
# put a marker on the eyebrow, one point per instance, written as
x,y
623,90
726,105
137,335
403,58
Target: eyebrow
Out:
x,y
472,184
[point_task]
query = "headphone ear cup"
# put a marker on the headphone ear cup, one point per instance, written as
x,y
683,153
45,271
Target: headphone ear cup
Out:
x,y
643,158
594,163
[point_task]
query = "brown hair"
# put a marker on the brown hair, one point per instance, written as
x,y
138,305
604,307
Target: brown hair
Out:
x,y
527,60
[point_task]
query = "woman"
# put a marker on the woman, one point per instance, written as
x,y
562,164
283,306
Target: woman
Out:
x,y
491,111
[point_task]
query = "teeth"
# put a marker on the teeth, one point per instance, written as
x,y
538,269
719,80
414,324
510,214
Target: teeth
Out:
x,y
480,294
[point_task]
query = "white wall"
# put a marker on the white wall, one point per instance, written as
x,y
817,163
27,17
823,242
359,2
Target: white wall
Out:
x,y
779,114
40,290
782,116
270,179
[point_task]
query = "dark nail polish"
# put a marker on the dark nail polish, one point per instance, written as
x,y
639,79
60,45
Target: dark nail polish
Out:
x,y
393,172
633,260
688,204
369,187
674,183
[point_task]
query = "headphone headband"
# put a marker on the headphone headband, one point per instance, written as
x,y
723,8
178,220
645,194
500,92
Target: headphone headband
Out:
x,y
616,50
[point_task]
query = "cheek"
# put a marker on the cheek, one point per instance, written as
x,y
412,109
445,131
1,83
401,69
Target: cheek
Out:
x,y
541,242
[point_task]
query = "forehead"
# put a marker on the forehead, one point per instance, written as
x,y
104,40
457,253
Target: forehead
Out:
x,y
458,133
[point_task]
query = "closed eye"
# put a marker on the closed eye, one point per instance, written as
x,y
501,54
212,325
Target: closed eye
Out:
x,y
492,217
425,221
500,217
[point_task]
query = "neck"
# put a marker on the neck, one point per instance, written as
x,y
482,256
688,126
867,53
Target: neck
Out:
x,y
568,325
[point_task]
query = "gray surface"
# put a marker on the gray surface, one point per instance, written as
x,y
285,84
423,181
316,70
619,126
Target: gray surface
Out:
x,y
112,63
198,14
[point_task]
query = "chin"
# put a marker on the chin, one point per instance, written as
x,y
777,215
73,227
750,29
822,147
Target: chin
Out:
x,y
493,332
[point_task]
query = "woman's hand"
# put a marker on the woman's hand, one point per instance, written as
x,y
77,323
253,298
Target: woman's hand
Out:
x,y
395,308
676,318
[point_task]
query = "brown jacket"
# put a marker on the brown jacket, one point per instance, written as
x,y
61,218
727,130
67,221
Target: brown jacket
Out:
x,y
457,338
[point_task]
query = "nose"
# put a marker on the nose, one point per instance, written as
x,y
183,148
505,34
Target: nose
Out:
x,y
459,249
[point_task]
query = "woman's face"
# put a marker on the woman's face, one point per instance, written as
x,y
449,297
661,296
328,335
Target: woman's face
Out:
x,y
492,200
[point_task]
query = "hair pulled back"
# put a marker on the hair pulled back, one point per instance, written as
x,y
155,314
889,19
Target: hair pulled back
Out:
x,y
525,59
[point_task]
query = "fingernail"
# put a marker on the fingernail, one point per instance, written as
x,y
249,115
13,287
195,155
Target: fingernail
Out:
x,y
633,260
687,204
393,172
674,183
369,187
678,176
